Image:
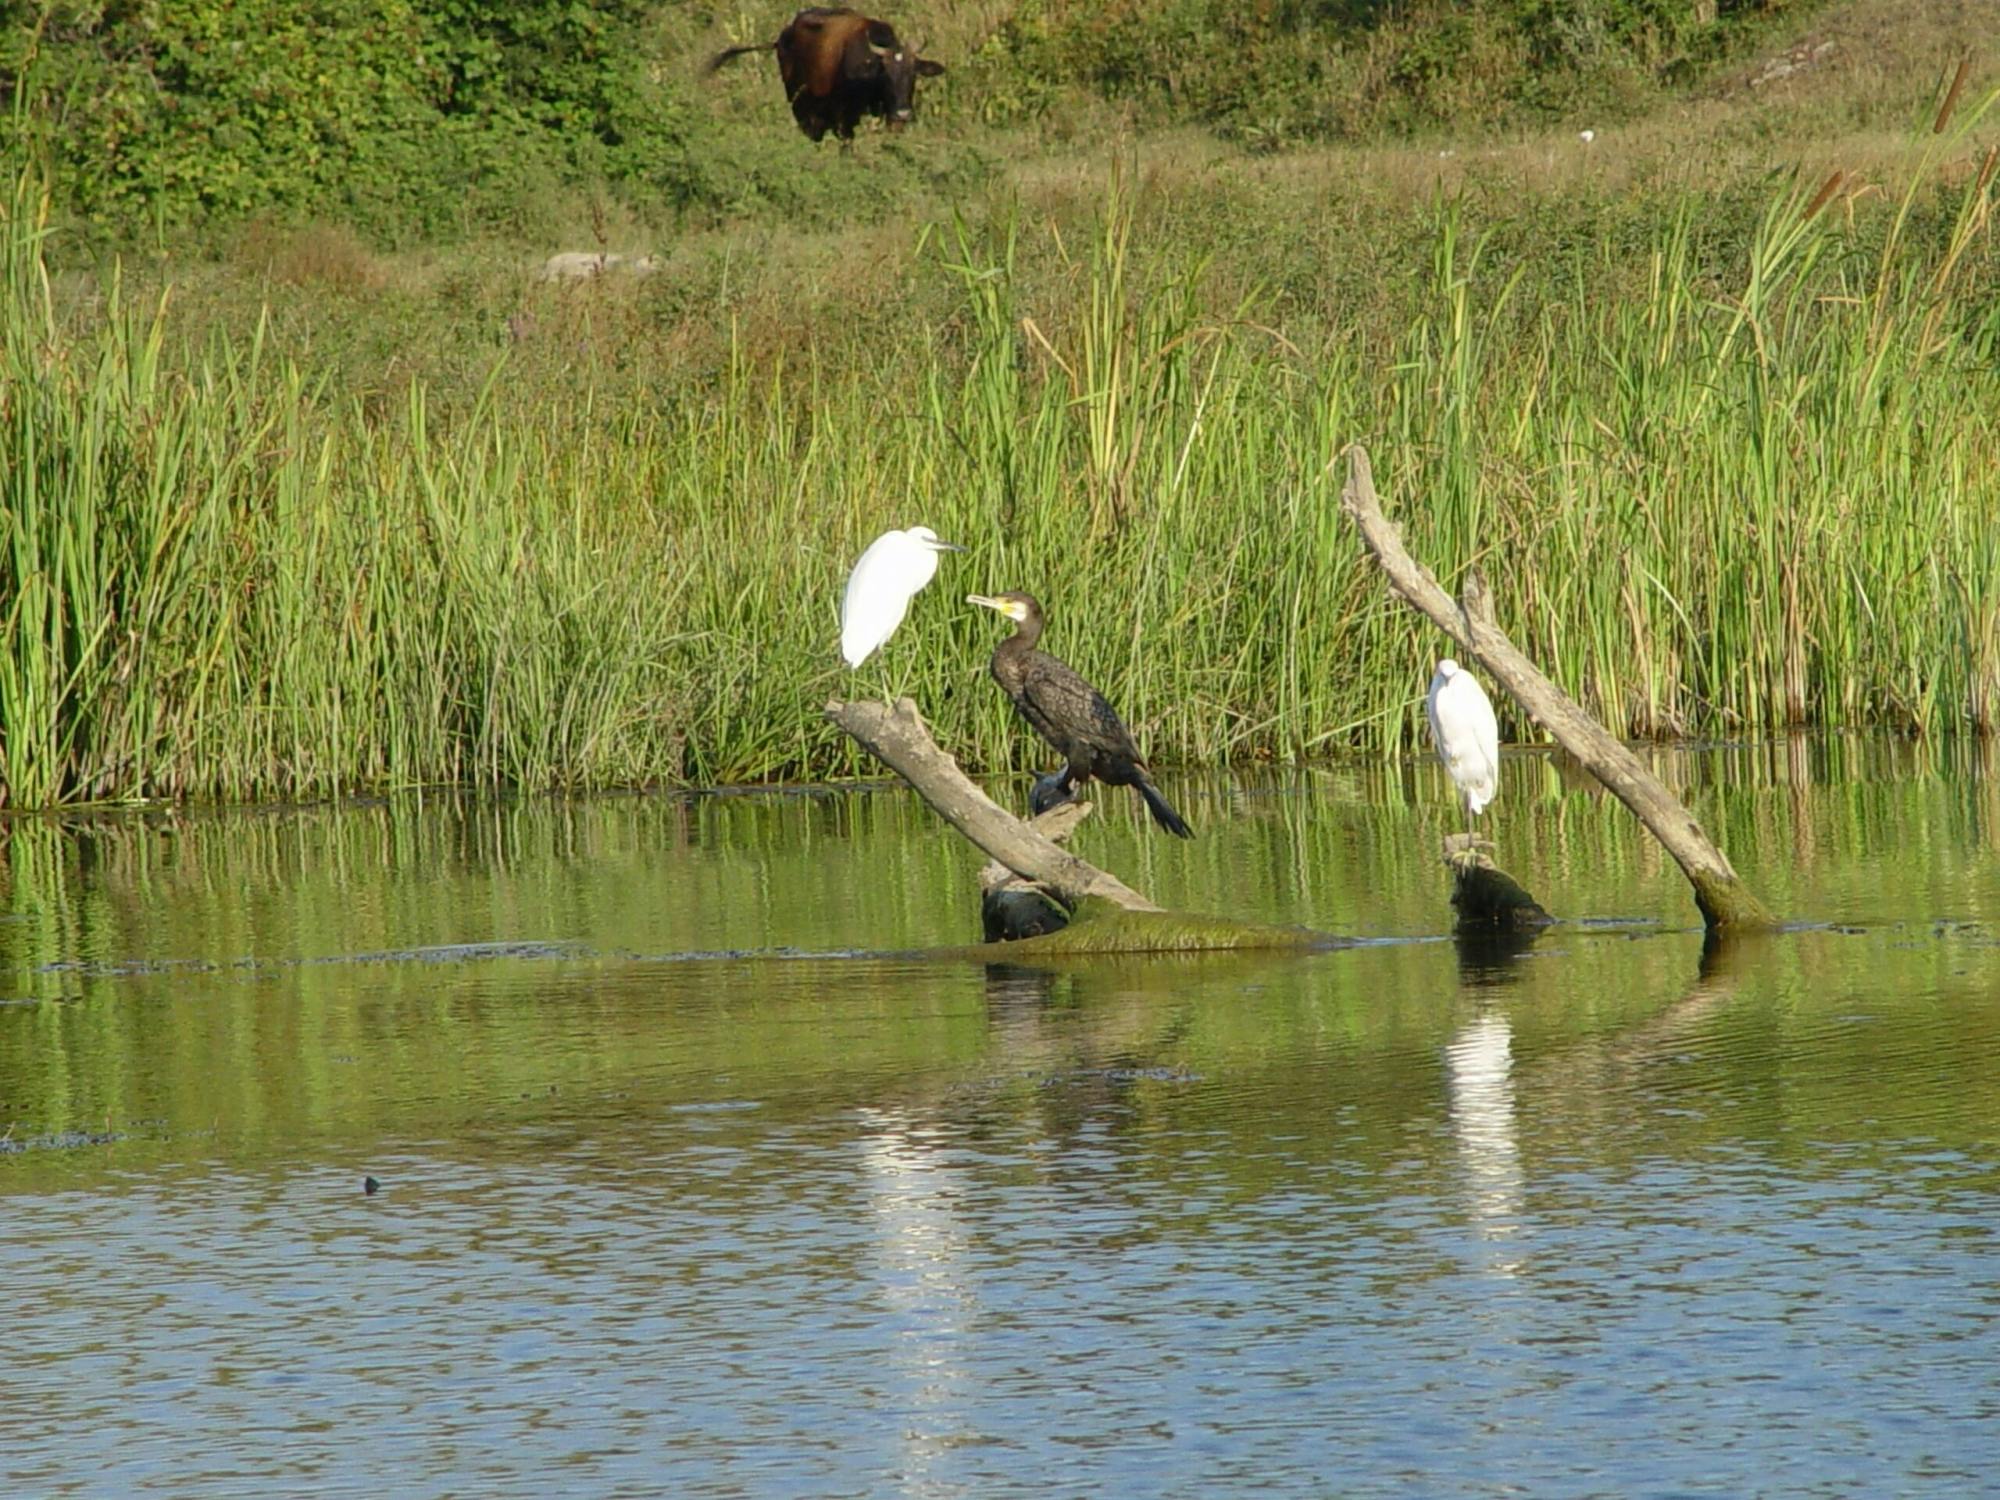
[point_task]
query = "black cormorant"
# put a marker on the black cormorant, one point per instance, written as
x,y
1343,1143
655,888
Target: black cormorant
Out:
x,y
1069,713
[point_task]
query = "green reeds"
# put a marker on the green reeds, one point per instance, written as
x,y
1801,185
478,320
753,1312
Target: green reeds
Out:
x,y
1716,493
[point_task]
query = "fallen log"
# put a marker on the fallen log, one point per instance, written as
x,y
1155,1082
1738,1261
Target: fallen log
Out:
x,y
899,737
1107,916
1726,903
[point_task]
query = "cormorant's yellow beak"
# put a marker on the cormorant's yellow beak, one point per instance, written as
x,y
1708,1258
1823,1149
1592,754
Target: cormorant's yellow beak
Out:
x,y
1006,607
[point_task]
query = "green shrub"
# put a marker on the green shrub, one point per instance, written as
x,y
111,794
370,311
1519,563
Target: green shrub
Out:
x,y
398,115
1274,72
416,118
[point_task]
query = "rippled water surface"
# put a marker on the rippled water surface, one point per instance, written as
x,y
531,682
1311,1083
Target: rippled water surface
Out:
x,y
698,1176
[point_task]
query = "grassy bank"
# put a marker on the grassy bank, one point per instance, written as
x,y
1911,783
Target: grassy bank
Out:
x,y
1723,441
422,121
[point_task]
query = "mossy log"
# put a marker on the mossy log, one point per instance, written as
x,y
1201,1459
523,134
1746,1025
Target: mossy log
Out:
x,y
1726,903
1100,927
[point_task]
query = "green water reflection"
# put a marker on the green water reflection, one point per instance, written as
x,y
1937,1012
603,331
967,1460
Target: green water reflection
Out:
x,y
204,984
701,1179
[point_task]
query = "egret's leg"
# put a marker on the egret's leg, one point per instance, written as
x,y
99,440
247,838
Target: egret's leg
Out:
x,y
903,676
1462,842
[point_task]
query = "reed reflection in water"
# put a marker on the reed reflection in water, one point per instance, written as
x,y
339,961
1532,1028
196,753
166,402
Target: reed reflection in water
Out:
x,y
1605,1213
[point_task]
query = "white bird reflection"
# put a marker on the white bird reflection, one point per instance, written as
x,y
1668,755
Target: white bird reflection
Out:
x,y
1479,1071
926,1294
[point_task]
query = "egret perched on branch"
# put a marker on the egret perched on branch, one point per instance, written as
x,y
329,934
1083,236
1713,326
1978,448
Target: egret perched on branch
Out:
x,y
1070,714
879,590
1466,736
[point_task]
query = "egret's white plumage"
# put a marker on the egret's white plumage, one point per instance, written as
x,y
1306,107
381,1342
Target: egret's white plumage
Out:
x,y
1465,733
879,590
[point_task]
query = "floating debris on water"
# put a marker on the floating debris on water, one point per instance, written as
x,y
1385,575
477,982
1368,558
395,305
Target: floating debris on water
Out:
x,y
1121,1075
61,1140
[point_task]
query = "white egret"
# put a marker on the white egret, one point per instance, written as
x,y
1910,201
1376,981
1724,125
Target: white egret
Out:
x,y
1465,733
896,565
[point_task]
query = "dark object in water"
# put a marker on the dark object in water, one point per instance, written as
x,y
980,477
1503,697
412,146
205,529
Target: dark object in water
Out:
x,y
1012,912
370,1186
1486,897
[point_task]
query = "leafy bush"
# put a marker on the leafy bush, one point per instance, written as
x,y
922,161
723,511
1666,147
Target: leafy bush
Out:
x,y
397,114
1275,70
407,118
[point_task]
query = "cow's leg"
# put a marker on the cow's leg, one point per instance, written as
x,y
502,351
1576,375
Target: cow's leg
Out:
x,y
812,119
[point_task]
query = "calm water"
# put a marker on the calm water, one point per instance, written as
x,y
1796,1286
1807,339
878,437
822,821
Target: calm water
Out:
x,y
697,1178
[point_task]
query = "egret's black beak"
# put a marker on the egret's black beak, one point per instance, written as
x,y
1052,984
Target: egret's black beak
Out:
x,y
946,547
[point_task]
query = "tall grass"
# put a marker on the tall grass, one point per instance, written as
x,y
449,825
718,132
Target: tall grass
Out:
x,y
1714,498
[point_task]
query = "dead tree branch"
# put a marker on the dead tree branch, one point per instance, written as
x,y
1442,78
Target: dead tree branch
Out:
x,y
1725,901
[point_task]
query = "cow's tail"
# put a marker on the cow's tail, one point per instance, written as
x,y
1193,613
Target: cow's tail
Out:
x,y
728,52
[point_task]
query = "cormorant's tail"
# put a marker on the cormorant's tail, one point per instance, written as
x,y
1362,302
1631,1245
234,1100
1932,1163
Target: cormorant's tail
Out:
x,y
1163,811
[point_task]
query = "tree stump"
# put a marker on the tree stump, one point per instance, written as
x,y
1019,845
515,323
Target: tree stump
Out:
x,y
1011,906
1486,898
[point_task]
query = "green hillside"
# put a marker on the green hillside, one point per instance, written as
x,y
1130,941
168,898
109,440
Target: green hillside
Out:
x,y
420,118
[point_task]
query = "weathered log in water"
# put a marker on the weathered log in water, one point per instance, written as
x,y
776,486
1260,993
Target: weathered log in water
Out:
x,y
1726,902
900,738
1106,915
1486,897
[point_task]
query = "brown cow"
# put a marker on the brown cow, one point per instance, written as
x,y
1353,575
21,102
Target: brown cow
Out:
x,y
838,65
